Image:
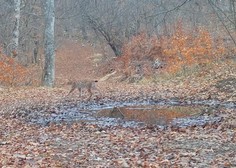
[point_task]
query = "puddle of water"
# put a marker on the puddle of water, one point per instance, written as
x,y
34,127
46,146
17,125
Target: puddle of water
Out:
x,y
128,115
150,114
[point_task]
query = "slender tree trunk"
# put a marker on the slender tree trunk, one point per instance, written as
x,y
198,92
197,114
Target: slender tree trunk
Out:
x,y
16,32
49,50
234,13
116,48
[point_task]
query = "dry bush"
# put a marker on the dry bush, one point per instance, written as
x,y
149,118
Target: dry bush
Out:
x,y
142,55
181,50
14,74
185,49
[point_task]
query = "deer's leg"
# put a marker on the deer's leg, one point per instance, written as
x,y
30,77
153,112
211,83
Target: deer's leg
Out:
x,y
80,92
90,93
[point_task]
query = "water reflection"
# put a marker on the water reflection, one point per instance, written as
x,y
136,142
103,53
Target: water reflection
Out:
x,y
150,114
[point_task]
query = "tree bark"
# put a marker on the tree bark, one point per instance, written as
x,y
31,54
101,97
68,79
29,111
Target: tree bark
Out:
x,y
49,48
16,32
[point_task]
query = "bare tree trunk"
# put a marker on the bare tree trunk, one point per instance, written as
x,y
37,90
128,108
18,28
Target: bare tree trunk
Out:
x,y
233,12
49,51
16,33
35,52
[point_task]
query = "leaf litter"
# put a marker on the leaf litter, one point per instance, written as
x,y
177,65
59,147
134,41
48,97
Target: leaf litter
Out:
x,y
83,144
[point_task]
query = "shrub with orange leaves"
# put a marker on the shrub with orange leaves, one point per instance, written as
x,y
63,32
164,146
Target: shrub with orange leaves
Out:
x,y
12,73
140,53
177,51
186,49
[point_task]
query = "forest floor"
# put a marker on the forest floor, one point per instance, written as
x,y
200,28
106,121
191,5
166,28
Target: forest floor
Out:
x,y
82,144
